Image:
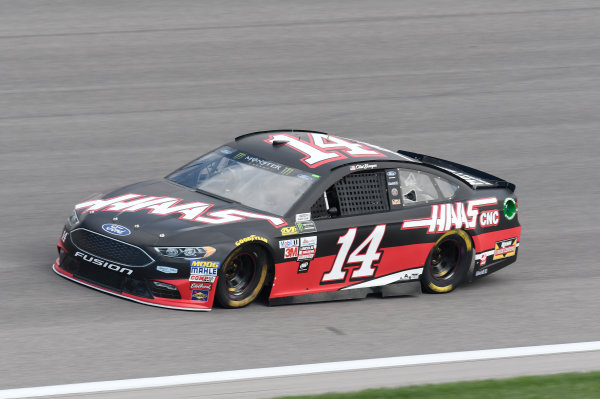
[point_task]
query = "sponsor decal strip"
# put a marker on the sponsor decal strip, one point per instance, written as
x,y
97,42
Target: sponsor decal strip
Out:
x,y
301,369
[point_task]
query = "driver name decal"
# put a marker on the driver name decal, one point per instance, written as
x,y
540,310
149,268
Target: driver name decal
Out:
x,y
193,211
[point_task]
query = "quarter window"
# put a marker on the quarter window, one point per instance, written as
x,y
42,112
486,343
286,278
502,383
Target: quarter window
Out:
x,y
419,187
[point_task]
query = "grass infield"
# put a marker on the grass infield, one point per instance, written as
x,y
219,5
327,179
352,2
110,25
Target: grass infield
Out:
x,y
558,386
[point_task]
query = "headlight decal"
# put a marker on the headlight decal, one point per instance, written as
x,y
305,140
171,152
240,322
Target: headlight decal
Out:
x,y
186,252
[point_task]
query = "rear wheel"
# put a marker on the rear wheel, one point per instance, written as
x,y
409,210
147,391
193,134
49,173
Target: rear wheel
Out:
x,y
448,262
242,276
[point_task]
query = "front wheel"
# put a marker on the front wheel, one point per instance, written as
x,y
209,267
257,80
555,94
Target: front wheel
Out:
x,y
242,276
448,262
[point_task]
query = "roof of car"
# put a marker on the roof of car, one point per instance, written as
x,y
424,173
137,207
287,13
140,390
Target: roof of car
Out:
x,y
315,151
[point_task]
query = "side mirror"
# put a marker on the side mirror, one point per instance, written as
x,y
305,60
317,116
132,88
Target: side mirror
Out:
x,y
333,212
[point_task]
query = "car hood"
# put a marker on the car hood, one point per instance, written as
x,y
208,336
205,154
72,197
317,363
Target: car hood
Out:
x,y
158,212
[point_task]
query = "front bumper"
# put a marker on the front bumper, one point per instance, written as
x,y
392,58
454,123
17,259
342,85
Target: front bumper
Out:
x,y
137,285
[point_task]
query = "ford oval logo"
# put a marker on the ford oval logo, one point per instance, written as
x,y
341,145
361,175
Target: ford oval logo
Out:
x,y
116,229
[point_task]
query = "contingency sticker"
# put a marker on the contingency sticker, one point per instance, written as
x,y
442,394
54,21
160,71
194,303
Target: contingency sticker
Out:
x,y
200,295
302,217
505,248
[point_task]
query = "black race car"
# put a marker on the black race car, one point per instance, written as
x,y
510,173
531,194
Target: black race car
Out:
x,y
303,215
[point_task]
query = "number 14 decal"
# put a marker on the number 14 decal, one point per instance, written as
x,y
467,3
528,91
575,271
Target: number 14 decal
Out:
x,y
366,269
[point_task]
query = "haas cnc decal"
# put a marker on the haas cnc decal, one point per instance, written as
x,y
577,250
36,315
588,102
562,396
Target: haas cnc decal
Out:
x,y
445,217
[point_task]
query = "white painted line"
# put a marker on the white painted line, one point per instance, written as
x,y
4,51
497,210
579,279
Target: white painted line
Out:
x,y
233,375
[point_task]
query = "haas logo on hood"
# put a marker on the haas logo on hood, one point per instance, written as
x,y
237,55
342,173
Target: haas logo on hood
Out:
x,y
194,211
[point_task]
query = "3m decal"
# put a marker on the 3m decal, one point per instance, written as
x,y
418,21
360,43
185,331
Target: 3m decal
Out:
x,y
194,211
505,248
321,149
445,217
200,295
250,238
366,260
290,252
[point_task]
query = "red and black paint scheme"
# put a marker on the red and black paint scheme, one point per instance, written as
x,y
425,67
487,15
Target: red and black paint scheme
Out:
x,y
299,215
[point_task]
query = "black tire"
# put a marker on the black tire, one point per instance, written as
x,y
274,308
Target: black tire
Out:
x,y
448,262
242,276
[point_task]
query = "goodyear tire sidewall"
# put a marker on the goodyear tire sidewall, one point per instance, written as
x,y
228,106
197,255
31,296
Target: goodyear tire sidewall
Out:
x,y
256,285
436,286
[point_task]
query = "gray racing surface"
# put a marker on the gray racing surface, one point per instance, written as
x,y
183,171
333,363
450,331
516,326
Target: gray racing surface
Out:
x,y
97,94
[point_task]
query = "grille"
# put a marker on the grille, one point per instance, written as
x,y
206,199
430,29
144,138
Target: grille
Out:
x,y
102,277
362,193
109,249
164,293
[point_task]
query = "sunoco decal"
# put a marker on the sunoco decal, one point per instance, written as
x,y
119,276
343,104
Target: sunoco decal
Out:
x,y
200,295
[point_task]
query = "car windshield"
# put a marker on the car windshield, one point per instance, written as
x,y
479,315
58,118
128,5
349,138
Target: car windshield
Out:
x,y
241,177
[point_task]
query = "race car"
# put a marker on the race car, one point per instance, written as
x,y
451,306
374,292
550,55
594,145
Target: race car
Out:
x,y
302,216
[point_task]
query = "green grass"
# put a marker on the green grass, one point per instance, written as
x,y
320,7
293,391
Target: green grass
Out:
x,y
559,386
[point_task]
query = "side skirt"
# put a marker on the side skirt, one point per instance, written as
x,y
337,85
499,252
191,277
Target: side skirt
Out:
x,y
408,288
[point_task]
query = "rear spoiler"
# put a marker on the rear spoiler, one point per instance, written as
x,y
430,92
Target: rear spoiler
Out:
x,y
476,179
